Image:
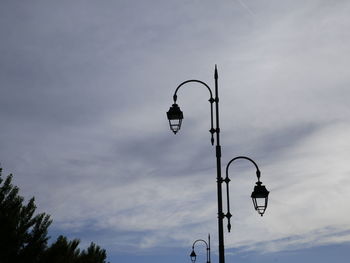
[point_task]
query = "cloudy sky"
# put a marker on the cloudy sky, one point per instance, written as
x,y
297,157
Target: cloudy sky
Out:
x,y
84,89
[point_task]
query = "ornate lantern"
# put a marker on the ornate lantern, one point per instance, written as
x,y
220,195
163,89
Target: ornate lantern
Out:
x,y
260,198
175,117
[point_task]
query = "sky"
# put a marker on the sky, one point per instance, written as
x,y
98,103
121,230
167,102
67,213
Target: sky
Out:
x,y
84,90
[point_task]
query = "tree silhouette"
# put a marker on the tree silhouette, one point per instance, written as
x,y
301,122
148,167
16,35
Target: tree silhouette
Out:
x,y
67,251
94,254
23,235
62,251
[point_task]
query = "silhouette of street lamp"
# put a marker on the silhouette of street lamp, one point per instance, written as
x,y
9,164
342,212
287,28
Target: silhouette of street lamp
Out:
x,y
175,117
259,195
193,254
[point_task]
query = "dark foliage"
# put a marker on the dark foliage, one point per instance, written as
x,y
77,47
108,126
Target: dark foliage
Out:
x,y
67,251
23,235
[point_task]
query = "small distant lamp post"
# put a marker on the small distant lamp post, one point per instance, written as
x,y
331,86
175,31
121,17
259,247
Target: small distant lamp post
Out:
x,y
193,254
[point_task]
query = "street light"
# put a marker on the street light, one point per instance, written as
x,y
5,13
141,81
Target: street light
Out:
x,y
259,195
175,117
172,118
193,254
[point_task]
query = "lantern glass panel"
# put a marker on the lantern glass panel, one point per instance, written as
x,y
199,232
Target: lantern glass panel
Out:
x,y
260,202
175,125
260,205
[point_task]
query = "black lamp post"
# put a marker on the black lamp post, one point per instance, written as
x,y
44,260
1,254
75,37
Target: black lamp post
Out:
x,y
193,254
175,117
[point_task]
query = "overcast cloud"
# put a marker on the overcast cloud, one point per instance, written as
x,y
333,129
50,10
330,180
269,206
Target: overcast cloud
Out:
x,y
84,90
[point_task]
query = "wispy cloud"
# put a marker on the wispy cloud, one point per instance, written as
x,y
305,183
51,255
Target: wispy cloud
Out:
x,y
84,91
246,7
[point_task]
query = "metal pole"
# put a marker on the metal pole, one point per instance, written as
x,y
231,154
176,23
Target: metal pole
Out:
x,y
218,172
209,248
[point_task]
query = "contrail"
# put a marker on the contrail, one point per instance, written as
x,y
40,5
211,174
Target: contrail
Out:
x,y
246,7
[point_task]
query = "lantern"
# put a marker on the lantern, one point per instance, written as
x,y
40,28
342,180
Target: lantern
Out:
x,y
260,198
193,256
175,117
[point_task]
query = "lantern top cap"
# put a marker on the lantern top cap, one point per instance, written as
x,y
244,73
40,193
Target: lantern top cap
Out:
x,y
175,113
260,191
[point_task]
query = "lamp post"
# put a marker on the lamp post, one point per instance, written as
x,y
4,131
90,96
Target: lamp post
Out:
x,y
175,117
193,254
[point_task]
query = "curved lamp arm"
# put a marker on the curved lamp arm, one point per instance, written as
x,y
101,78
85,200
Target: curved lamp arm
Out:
x,y
192,80
246,158
207,247
211,100
200,240
227,180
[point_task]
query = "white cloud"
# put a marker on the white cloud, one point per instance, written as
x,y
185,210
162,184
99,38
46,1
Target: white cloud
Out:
x,y
85,130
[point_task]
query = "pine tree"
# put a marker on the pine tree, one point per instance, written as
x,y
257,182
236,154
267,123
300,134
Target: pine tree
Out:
x,y
94,254
23,235
62,251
